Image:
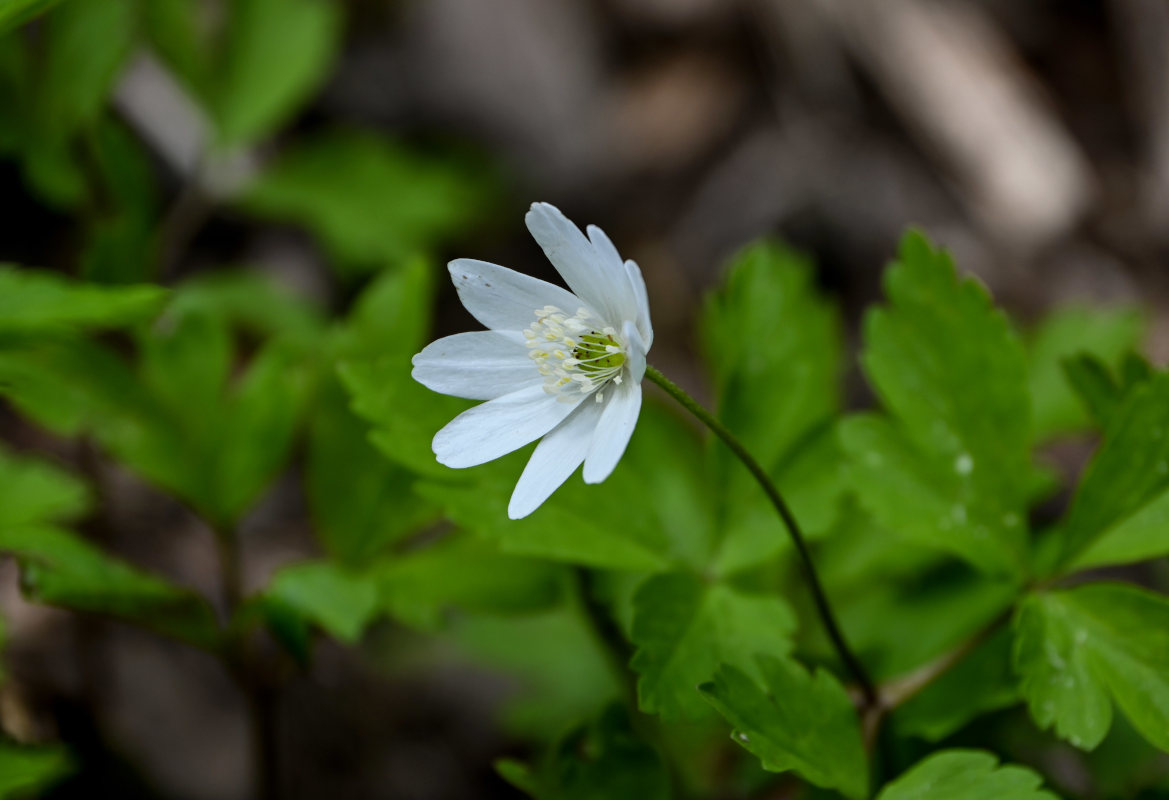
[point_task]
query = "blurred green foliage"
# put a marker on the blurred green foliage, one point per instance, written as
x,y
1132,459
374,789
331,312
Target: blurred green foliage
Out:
x,y
637,618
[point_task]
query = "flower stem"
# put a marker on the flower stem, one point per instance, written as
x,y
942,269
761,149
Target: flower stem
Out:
x,y
823,608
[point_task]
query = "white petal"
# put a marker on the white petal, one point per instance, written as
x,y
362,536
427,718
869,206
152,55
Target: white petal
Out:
x,y
478,365
497,427
503,299
613,431
556,457
643,324
601,282
634,353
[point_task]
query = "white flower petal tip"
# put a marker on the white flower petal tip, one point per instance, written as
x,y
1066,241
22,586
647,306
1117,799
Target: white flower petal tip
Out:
x,y
560,365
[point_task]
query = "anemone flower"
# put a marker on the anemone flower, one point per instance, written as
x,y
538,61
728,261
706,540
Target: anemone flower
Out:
x,y
559,364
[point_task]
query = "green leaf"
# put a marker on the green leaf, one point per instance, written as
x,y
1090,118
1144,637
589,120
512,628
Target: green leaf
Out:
x,y
1118,512
1080,650
370,202
794,721
36,301
559,671
87,44
1095,387
774,346
965,775
25,771
341,601
261,419
1073,332
33,491
360,500
928,503
214,444
277,53
580,524
17,12
602,760
257,304
462,573
685,627
59,568
953,377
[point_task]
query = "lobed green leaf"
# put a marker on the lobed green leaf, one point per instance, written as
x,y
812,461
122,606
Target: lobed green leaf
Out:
x,y
1078,651
965,775
794,721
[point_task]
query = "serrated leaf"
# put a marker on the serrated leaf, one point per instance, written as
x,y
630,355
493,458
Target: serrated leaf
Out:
x,y
276,54
1080,650
965,775
60,568
37,301
1071,333
953,376
794,721
1124,493
339,600
370,201
25,771
685,627
466,574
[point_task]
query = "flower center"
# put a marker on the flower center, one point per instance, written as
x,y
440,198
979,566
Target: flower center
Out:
x,y
577,355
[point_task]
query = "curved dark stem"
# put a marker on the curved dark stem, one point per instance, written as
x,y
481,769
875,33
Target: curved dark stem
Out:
x,y
868,689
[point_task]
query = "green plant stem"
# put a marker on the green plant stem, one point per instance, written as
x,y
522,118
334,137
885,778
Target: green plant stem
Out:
x,y
868,689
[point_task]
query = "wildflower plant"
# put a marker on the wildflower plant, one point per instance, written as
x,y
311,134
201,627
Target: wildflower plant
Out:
x,y
770,594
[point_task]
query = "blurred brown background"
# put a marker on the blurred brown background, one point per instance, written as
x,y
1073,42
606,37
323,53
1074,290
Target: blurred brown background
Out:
x,y
1032,138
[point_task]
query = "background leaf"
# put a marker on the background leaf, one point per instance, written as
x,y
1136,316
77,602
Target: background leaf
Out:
x,y
35,301
1123,497
275,55
370,202
1066,333
965,775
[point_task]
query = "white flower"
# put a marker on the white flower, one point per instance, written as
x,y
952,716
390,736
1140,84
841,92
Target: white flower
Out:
x,y
563,365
